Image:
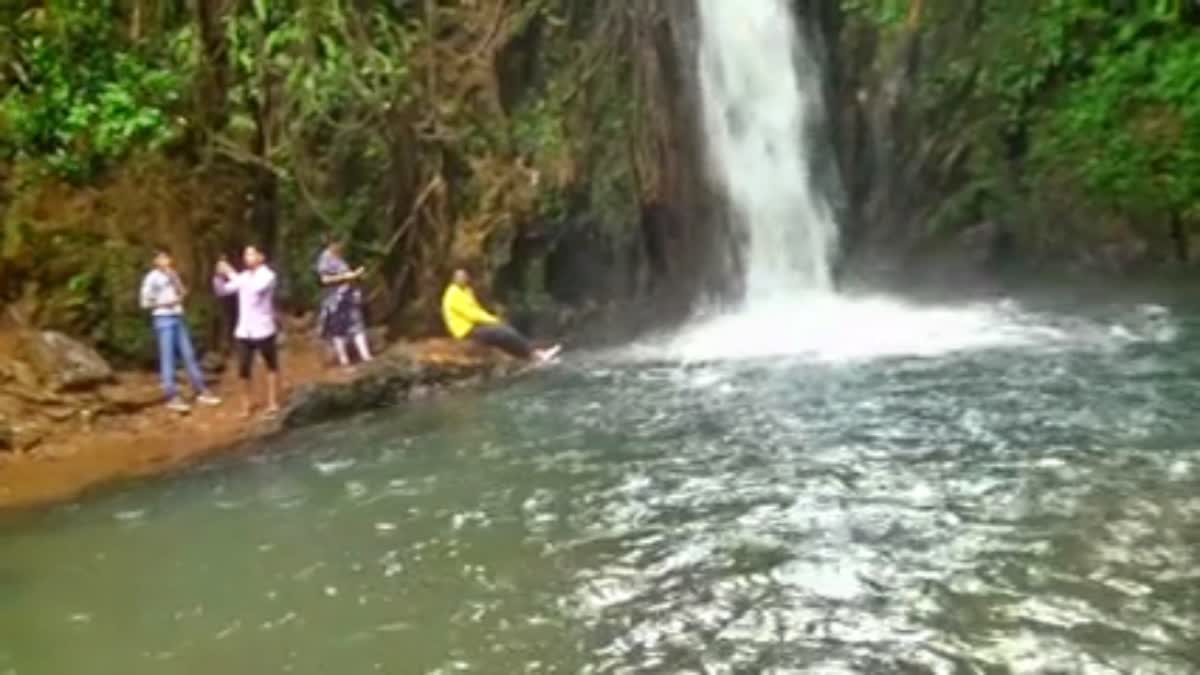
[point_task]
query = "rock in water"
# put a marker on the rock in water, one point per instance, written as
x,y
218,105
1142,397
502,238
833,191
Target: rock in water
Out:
x,y
394,377
65,364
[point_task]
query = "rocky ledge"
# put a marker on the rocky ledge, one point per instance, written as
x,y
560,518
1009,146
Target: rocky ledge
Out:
x,y
117,430
405,372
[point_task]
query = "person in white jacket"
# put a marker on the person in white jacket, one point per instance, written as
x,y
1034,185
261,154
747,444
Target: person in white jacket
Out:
x,y
256,329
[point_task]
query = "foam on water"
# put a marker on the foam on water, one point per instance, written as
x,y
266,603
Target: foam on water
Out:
x,y
831,327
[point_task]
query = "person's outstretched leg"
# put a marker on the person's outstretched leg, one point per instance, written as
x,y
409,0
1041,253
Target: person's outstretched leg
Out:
x,y
164,330
183,339
504,337
270,352
339,348
363,347
245,372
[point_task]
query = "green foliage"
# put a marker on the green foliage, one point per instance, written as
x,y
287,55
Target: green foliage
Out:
x,y
1129,125
80,103
883,13
1095,96
537,128
310,67
390,122
90,285
612,184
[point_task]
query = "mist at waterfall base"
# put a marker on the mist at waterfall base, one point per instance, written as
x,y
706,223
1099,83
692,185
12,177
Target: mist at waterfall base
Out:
x,y
760,89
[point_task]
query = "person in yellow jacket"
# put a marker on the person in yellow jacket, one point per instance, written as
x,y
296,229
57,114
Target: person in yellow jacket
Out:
x,y
466,319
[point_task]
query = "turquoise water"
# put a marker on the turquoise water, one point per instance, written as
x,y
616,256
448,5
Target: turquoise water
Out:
x,y
1026,508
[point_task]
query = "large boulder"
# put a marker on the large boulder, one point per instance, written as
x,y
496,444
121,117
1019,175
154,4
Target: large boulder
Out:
x,y
63,363
446,354
402,372
384,383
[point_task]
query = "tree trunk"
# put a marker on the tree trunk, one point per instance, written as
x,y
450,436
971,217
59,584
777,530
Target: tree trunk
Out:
x,y
213,84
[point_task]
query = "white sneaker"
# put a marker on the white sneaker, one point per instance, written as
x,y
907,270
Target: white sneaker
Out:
x,y
178,405
208,399
547,355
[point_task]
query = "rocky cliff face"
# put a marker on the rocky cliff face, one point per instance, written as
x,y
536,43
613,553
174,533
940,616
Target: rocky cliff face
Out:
x,y
962,134
899,163
671,249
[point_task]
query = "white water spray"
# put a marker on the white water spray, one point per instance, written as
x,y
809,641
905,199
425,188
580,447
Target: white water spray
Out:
x,y
761,92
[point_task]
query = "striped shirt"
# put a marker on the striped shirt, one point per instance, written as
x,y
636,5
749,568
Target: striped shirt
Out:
x,y
162,293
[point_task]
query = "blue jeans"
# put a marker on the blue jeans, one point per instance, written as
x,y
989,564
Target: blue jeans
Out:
x,y
173,335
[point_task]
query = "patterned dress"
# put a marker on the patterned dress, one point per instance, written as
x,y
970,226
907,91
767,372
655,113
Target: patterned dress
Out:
x,y
341,305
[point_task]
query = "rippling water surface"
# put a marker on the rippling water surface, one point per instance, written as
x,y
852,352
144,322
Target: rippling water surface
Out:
x,y
1019,505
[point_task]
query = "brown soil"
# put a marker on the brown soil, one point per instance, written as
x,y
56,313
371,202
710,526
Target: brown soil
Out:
x,y
155,440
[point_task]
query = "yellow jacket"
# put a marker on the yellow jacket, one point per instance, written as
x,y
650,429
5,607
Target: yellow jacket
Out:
x,y
462,312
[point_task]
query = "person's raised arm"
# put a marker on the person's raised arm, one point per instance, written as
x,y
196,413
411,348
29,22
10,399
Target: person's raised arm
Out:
x,y
336,279
481,315
226,280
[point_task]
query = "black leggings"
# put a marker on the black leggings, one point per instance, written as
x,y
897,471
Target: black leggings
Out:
x,y
505,337
265,346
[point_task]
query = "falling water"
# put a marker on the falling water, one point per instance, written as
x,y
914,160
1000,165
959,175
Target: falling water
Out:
x,y
761,92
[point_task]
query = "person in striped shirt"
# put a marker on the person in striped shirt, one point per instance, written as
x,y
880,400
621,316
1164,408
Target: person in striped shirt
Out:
x,y
162,295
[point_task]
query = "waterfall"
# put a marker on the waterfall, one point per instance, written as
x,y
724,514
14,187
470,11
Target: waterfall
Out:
x,y
761,92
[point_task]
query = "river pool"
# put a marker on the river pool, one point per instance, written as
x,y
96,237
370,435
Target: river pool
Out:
x,y
1017,505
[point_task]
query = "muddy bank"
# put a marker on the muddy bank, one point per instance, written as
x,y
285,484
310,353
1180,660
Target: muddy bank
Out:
x,y
151,441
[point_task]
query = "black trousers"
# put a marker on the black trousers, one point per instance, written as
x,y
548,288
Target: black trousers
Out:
x,y
247,349
504,337
229,313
